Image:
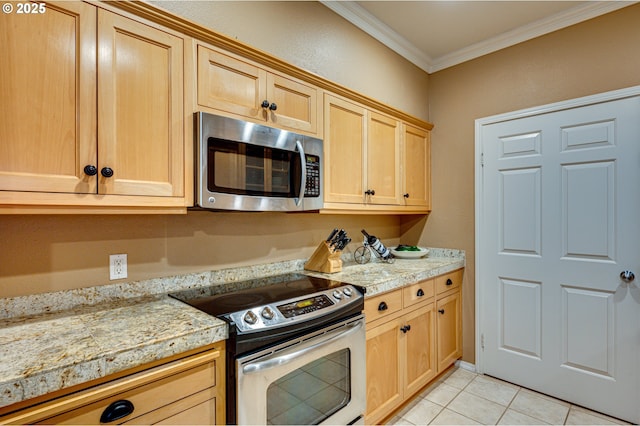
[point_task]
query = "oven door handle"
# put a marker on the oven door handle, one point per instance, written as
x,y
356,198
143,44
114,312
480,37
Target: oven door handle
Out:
x,y
288,356
303,174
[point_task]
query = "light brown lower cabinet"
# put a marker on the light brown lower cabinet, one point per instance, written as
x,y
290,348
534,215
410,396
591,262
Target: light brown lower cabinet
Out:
x,y
413,334
188,390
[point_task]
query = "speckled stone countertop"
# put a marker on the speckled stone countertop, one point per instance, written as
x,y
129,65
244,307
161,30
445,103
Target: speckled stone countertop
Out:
x,y
52,341
379,277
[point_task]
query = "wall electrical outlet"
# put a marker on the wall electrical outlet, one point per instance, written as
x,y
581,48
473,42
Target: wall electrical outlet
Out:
x,y
117,266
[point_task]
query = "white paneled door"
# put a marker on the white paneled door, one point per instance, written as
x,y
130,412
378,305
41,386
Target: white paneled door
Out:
x,y
558,222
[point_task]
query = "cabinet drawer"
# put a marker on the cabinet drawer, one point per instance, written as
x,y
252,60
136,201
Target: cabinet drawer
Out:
x,y
449,281
383,305
418,292
147,397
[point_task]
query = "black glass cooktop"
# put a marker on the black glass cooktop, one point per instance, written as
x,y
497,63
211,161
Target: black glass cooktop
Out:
x,y
253,293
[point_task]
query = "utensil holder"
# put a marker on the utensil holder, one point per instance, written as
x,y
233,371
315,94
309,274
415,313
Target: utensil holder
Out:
x,y
324,259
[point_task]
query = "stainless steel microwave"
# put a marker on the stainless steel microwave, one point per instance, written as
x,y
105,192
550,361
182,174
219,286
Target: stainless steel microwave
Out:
x,y
250,167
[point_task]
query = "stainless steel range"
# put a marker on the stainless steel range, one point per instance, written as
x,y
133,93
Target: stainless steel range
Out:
x,y
296,349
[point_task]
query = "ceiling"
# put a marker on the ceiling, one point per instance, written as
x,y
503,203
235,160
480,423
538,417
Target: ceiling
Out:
x,y
438,34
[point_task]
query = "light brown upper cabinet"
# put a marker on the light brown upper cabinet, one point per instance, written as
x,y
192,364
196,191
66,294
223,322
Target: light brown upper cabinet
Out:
x,y
344,136
371,160
383,160
48,99
92,107
140,104
238,87
416,173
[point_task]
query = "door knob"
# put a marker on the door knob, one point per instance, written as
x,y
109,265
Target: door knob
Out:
x,y
627,276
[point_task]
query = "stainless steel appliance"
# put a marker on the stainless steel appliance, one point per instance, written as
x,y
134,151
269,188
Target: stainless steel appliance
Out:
x,y
247,166
296,349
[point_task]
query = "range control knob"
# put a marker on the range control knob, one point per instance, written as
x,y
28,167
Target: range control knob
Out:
x,y
347,292
250,318
337,294
267,313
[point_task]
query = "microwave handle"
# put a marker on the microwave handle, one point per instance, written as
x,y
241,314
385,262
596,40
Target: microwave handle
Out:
x,y
303,175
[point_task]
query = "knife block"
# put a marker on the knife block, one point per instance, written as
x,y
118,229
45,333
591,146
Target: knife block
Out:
x,y
324,260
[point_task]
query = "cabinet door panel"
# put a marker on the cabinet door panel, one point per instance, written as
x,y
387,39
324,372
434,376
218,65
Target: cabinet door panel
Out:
x,y
420,362
417,167
343,149
297,104
47,130
140,93
230,85
449,330
384,386
383,159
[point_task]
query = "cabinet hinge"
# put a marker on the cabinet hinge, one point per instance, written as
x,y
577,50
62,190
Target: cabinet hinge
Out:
x,y
482,159
482,341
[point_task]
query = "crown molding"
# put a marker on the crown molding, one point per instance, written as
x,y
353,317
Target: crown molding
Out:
x,y
555,22
364,20
368,23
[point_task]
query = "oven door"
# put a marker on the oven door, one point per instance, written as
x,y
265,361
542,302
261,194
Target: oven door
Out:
x,y
316,379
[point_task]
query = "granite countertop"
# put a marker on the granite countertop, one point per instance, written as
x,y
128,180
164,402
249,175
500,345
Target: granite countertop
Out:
x,y
379,277
52,341
48,352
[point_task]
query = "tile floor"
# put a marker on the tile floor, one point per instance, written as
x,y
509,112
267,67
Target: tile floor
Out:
x,y
461,397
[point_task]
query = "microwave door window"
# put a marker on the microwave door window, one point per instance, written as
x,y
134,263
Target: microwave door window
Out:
x,y
245,169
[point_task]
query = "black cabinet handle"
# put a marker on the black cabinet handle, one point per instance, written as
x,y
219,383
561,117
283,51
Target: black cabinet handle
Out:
x,y
90,170
265,104
406,195
441,311
405,328
117,410
106,172
420,293
382,306
273,107
449,282
370,192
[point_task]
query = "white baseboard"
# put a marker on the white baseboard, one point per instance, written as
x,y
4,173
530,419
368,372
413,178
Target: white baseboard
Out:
x,y
466,366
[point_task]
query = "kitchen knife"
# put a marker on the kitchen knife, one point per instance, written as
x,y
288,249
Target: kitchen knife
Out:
x,y
337,237
343,243
332,234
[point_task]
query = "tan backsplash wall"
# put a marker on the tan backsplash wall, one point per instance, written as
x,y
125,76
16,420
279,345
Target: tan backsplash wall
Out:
x,y
592,57
49,253
311,36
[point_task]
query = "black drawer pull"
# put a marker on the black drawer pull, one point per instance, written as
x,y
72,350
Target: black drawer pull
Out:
x,y
420,293
405,328
441,311
117,410
449,282
382,306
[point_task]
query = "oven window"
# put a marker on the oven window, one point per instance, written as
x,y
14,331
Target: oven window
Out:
x,y
245,169
311,393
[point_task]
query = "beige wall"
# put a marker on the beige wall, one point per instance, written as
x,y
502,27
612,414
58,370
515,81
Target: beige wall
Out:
x,y
311,36
592,57
50,253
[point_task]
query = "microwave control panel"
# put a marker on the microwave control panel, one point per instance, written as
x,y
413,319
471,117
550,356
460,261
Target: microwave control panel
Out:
x,y
312,186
